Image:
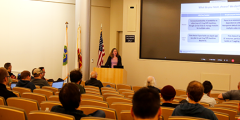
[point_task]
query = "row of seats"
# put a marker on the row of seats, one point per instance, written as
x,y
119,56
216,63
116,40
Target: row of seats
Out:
x,y
11,113
125,114
84,101
226,110
32,105
222,113
92,90
118,86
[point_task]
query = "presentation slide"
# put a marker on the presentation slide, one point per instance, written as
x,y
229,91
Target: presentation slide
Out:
x,y
210,28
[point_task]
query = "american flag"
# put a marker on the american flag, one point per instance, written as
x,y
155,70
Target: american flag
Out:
x,y
101,52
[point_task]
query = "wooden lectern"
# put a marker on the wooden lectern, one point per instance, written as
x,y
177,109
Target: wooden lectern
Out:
x,y
112,75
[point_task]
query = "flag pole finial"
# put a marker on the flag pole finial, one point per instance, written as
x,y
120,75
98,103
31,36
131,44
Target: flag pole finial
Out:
x,y
101,26
66,23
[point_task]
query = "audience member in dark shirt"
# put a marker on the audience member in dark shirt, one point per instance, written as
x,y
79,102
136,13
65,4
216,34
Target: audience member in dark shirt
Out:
x,y
195,91
8,67
70,99
76,78
146,105
93,80
151,82
38,78
4,76
168,93
231,95
25,81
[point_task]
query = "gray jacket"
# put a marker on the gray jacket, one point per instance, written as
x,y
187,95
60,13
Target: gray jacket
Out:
x,y
40,82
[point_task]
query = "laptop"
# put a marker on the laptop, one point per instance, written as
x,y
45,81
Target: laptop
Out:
x,y
13,84
58,85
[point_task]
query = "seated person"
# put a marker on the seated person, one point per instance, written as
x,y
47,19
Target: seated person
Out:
x,y
70,98
37,73
4,76
146,105
43,73
192,107
207,90
76,78
151,82
8,67
168,93
231,95
93,80
25,81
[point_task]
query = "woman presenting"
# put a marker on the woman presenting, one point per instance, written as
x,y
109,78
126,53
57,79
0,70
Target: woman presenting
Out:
x,y
114,59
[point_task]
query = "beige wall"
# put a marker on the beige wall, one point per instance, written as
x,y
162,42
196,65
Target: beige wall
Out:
x,y
33,33
176,73
116,22
100,14
110,14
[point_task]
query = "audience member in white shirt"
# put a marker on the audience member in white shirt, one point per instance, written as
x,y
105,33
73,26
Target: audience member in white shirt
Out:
x,y
206,97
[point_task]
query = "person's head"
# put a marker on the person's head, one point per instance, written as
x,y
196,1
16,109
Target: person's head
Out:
x,y
25,75
151,81
146,104
76,76
37,73
207,86
93,74
43,71
69,96
4,76
195,91
168,93
114,52
8,67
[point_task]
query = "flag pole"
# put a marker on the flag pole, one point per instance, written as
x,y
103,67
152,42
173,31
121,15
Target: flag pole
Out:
x,y
67,46
67,79
67,28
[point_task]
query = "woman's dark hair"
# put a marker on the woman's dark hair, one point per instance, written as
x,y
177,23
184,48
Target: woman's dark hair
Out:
x,y
146,103
111,53
69,96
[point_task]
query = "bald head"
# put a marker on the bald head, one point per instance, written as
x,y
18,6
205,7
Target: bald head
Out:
x,y
93,74
151,81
